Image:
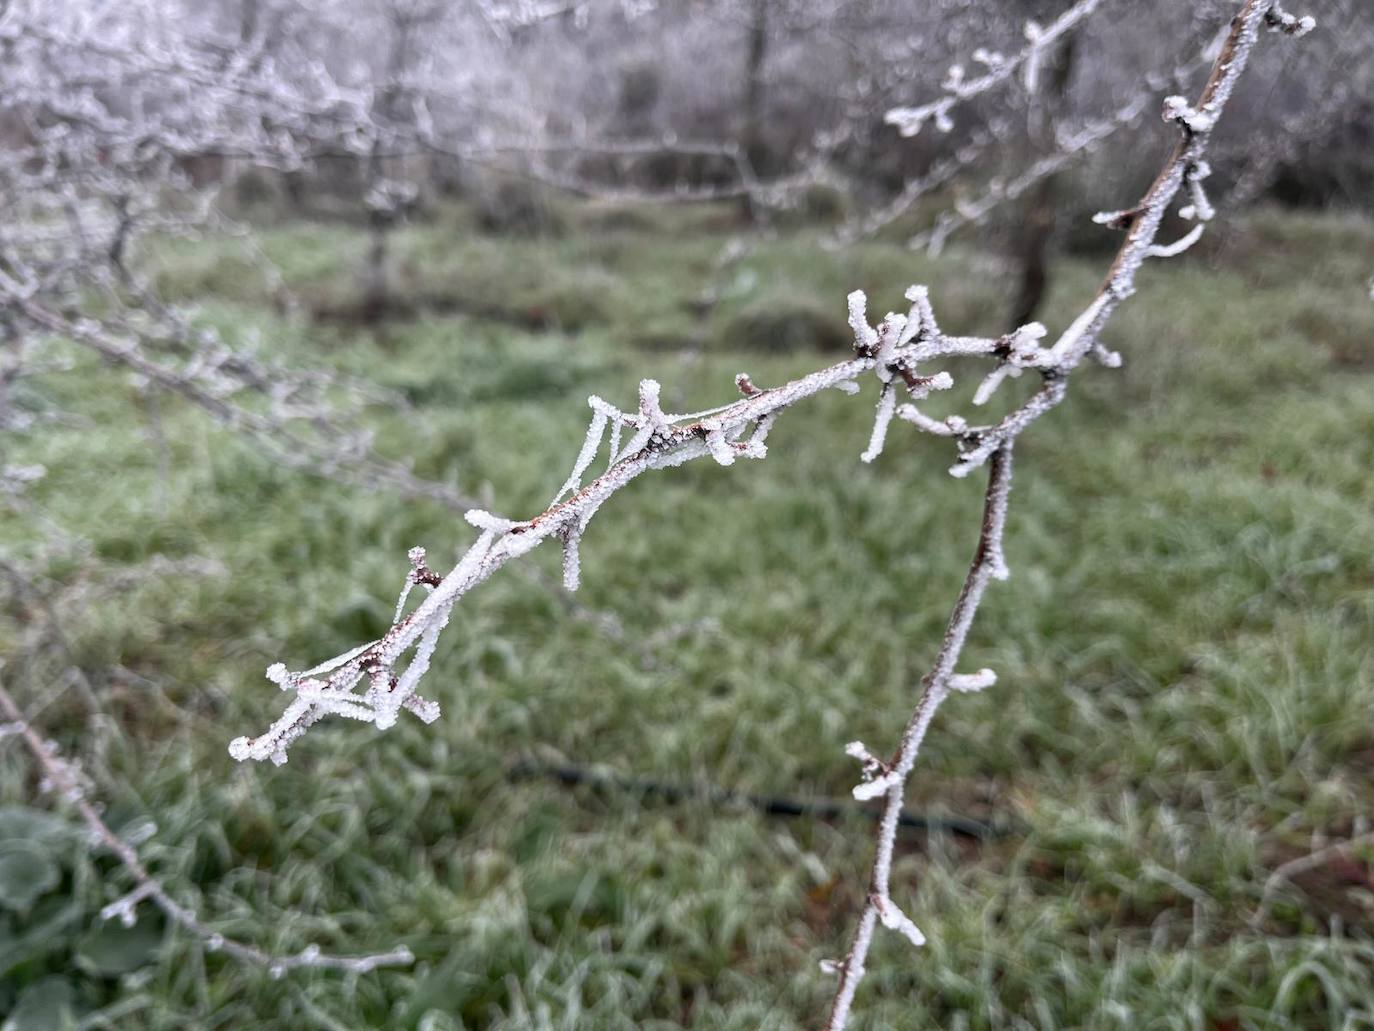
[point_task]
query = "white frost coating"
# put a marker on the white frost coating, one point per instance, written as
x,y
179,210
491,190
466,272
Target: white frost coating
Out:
x,y
993,380
858,750
615,443
426,711
595,432
895,920
924,423
887,400
1070,342
878,777
865,336
890,332
970,682
1000,68
1177,109
940,381
1176,248
1280,20
406,588
1025,341
921,321
572,559
716,443
1201,207
485,520
332,664
870,789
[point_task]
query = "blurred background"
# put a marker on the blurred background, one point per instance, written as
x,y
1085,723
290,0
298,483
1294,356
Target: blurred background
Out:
x,y
286,286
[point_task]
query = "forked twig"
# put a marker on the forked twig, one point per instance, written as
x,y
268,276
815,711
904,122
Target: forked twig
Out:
x,y
1186,168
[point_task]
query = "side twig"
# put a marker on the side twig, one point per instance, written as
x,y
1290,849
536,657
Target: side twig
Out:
x,y
64,780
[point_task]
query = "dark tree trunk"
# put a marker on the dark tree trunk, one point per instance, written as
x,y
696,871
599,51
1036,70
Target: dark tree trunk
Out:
x,y
376,291
1036,231
752,143
248,20
1033,252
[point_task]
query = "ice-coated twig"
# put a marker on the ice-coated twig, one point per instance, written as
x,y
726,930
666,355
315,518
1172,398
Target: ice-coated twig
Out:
x,y
887,401
281,432
1281,21
972,682
1073,146
67,784
995,447
660,442
1173,250
1000,68
365,682
1072,143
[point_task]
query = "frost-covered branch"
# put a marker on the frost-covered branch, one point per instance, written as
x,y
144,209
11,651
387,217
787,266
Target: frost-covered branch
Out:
x,y
375,681
998,69
65,780
283,414
1073,145
1184,170
112,102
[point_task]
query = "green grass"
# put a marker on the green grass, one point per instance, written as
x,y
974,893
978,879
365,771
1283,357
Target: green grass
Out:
x,y
1183,652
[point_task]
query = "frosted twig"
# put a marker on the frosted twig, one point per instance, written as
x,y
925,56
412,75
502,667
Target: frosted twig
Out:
x,y
1060,360
341,457
910,120
894,354
66,784
1073,147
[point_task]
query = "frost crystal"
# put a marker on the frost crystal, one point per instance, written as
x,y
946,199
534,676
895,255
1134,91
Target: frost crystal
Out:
x,y
895,920
865,336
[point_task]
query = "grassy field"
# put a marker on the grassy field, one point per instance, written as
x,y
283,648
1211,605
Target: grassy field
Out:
x,y
1184,653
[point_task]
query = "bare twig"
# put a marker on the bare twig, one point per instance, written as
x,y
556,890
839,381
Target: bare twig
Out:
x,y
64,780
999,68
